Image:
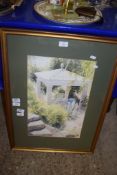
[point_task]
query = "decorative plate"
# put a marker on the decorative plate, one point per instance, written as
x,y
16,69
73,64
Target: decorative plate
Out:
x,y
56,13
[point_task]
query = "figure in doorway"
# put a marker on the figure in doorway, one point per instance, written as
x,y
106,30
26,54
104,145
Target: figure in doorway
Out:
x,y
73,101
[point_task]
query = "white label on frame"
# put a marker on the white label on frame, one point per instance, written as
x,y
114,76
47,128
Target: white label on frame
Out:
x,y
63,44
16,101
20,112
15,104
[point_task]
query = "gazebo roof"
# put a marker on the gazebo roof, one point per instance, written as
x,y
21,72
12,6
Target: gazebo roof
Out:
x,y
59,77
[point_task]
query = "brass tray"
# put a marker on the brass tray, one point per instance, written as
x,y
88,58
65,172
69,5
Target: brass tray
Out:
x,y
56,13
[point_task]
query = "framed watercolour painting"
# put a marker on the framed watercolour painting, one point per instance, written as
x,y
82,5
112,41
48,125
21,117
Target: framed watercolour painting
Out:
x,y
56,89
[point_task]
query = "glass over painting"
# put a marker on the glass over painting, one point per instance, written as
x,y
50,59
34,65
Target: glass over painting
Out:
x,y
58,95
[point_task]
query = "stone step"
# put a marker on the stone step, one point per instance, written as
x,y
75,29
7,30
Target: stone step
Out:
x,y
36,125
44,132
33,117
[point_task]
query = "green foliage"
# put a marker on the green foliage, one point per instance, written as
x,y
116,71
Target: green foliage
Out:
x,y
71,65
56,63
84,101
56,114
83,68
32,69
35,105
53,113
87,68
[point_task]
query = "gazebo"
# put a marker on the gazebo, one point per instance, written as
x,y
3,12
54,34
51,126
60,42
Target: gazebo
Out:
x,y
57,77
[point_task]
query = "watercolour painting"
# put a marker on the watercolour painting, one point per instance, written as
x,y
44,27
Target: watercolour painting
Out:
x,y
58,93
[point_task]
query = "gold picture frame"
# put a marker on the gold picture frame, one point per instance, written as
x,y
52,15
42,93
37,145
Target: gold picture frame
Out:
x,y
20,50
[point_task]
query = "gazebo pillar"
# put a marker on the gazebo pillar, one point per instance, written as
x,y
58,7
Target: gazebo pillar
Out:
x,y
67,90
49,93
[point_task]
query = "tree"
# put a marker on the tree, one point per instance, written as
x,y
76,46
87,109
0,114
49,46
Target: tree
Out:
x,y
83,68
72,65
88,69
32,69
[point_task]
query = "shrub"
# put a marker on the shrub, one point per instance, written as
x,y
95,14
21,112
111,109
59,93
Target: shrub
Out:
x,y
35,105
53,114
84,101
56,115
